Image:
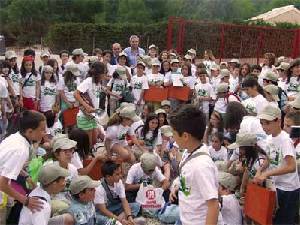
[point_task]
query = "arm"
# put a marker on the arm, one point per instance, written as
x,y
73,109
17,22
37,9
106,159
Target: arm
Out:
x,y
38,90
141,97
126,207
86,170
82,102
107,144
64,98
132,187
212,212
165,184
108,91
102,208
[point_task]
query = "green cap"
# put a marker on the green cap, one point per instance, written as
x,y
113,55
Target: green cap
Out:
x,y
129,112
227,180
80,183
271,76
272,90
121,71
47,68
270,113
250,106
62,142
222,88
225,73
166,130
215,67
155,62
51,172
78,51
283,66
148,161
295,103
243,139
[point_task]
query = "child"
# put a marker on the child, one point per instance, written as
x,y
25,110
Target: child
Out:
x,y
49,95
198,190
203,93
64,57
162,117
188,79
110,199
225,76
230,207
271,92
282,72
52,181
118,127
31,84
234,80
146,171
139,84
224,97
217,151
45,56
267,66
166,105
82,208
281,153
155,78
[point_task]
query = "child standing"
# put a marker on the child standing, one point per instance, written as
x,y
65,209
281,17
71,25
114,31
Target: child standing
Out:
x,y
217,151
271,92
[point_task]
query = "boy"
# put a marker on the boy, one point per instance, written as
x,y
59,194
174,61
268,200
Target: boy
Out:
x,y
15,151
198,191
110,197
145,171
166,105
52,180
82,208
230,207
282,169
224,97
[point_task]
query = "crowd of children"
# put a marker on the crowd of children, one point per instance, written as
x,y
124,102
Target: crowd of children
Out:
x,y
240,124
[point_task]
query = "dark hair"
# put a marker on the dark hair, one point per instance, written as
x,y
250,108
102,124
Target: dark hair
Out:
x,y
201,71
252,82
251,154
126,63
109,167
241,76
96,69
116,75
30,120
255,67
82,139
51,62
52,79
210,127
271,57
145,128
69,80
234,115
28,52
295,117
165,119
50,118
23,71
201,65
162,71
150,108
7,65
219,135
107,52
97,51
63,52
294,63
189,68
186,118
4,64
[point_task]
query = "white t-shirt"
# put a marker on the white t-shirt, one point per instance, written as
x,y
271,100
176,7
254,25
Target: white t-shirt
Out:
x,y
118,86
76,161
260,102
220,155
215,81
154,79
221,103
264,70
293,87
56,129
48,96
30,86
117,134
282,84
92,89
204,90
233,83
16,80
112,68
27,217
208,64
190,82
136,175
138,84
82,66
231,210
277,149
199,183
118,190
14,152
148,139
69,91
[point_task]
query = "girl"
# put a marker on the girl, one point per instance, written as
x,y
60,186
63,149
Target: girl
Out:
x,y
118,128
147,109
215,125
209,60
153,51
123,61
88,95
162,117
31,84
165,68
255,93
188,79
244,71
49,95
155,78
293,79
267,66
164,56
54,64
217,151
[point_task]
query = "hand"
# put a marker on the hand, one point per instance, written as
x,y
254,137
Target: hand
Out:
x,y
131,221
101,156
119,97
35,204
260,178
173,194
90,109
36,105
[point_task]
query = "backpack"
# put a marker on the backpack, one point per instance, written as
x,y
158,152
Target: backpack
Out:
x,y
232,94
283,98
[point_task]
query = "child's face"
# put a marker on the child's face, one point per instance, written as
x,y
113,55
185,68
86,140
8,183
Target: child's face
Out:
x,y
161,118
165,138
87,195
106,58
28,66
65,155
215,73
117,175
256,72
270,127
38,133
152,52
12,62
202,78
48,75
45,59
266,61
175,67
155,69
226,79
296,70
287,124
5,70
250,91
122,60
153,124
64,58
269,97
164,56
236,71
59,185
127,122
166,108
185,71
216,143
166,66
214,121
140,70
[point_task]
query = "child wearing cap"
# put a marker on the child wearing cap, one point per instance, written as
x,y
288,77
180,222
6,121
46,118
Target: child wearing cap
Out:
x,y
224,97
203,93
118,128
82,208
146,171
166,105
52,181
198,185
282,169
230,207
155,78
31,84
139,83
217,151
271,93
45,56
162,117
110,199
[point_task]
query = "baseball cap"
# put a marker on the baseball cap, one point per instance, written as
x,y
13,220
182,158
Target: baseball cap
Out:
x,y
192,51
215,67
173,54
148,161
295,103
73,68
165,103
93,59
141,63
225,73
222,88
166,130
158,111
50,172
45,53
155,62
121,71
273,90
243,139
227,180
250,106
123,105
129,112
270,113
80,183
62,143
122,54
47,68
10,54
234,61
152,46
174,61
271,76
78,51
283,66
187,57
